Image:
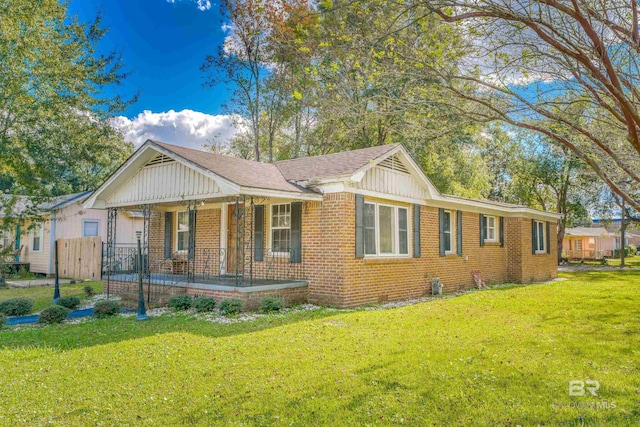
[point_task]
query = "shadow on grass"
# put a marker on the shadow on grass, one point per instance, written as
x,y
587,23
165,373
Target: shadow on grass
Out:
x,y
112,330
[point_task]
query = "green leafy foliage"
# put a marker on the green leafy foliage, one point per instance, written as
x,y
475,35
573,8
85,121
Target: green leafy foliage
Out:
x,y
3,320
42,295
58,96
271,304
204,304
180,302
106,308
16,306
231,306
53,314
89,291
69,302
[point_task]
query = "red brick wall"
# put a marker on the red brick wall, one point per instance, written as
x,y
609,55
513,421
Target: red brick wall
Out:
x,y
338,278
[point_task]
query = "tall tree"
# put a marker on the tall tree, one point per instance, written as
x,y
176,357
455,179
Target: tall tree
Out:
x,y
55,135
523,54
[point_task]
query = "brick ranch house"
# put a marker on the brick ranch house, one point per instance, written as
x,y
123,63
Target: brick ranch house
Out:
x,y
342,229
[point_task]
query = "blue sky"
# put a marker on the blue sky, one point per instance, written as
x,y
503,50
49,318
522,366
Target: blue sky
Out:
x,y
163,44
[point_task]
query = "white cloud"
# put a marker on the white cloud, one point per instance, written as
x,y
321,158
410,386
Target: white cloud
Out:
x,y
202,4
187,127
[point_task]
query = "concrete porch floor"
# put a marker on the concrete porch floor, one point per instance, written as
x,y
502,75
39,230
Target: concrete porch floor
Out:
x,y
212,284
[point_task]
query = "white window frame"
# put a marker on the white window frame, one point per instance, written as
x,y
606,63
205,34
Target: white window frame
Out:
x,y
183,231
494,228
272,228
39,228
84,221
452,233
396,232
578,244
541,225
7,240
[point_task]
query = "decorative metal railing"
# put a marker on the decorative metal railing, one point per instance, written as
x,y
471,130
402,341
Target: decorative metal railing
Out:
x,y
225,266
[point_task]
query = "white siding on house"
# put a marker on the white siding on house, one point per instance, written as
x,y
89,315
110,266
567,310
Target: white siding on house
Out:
x,y
383,180
38,260
69,223
156,183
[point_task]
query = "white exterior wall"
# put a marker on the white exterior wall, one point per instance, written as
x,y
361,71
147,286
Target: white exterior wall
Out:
x,y
163,182
382,180
39,261
69,223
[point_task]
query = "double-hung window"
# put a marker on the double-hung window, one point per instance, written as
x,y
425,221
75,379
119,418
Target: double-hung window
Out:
x,y
490,227
539,238
281,228
386,230
182,231
447,232
37,237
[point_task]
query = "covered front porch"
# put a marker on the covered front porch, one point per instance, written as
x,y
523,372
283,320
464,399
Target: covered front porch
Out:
x,y
211,223
216,244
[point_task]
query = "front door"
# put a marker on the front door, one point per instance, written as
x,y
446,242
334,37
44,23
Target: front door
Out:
x,y
232,233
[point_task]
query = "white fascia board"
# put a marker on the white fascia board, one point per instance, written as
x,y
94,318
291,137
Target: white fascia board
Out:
x,y
415,169
390,197
121,172
224,184
261,192
145,153
488,208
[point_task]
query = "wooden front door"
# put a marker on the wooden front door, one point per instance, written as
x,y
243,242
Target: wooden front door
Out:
x,y
232,232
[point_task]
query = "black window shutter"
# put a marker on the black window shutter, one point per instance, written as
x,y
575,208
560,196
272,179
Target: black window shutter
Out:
x,y
482,230
296,232
168,231
441,222
359,226
459,232
192,234
547,243
258,233
416,231
534,235
502,232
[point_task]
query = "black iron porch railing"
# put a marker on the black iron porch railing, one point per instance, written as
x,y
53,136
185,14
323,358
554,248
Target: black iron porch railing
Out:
x,y
225,266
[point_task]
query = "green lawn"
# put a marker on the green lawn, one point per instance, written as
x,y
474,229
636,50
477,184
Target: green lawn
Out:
x,y
42,296
496,357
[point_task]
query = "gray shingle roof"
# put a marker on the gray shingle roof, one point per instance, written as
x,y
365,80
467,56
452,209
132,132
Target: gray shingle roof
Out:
x,y
337,164
276,176
246,173
586,232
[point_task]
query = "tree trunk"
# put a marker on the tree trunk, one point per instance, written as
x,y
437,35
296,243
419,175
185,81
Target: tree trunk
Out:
x,y
561,228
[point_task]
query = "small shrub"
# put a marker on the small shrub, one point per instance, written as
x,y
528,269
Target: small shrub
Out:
x,y
53,314
16,306
88,291
3,320
180,302
204,304
631,249
69,302
231,306
271,304
106,309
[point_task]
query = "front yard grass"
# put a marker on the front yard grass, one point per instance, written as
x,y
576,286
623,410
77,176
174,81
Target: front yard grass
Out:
x,y
496,357
42,296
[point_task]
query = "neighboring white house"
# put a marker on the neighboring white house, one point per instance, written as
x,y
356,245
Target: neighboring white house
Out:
x,y
65,218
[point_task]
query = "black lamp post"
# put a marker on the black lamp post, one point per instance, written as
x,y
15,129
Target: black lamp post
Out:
x,y
56,290
142,312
